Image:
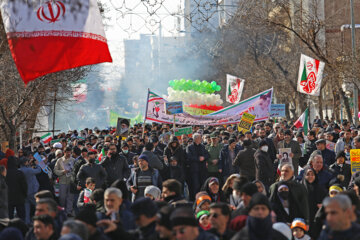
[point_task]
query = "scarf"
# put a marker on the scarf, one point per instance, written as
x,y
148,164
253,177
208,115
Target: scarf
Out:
x,y
260,228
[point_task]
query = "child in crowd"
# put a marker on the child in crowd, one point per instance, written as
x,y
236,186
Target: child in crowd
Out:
x,y
298,228
85,193
152,192
203,219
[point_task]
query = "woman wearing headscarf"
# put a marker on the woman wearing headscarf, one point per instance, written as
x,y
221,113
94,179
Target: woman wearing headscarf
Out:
x,y
212,187
261,187
316,193
228,186
174,149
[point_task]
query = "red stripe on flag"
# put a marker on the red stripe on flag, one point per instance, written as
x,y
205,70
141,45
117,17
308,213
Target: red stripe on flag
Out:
x,y
317,63
38,56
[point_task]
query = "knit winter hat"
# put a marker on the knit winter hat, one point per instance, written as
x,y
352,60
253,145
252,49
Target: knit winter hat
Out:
x,y
259,199
153,191
263,143
299,223
144,157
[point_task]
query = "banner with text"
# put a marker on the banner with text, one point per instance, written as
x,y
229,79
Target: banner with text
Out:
x,y
258,105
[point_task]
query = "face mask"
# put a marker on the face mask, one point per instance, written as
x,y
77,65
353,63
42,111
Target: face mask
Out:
x,y
284,195
91,160
264,148
125,151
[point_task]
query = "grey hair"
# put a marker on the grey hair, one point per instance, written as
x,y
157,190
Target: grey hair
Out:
x,y
196,135
113,190
315,154
78,228
288,165
341,199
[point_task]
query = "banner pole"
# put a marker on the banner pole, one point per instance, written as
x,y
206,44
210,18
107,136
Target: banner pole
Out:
x,y
146,107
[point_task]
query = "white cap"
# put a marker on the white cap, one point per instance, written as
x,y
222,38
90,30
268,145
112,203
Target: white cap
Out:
x,y
57,145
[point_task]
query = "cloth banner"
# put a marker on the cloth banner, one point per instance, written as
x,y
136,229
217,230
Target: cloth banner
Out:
x,y
114,117
51,36
234,88
310,75
258,105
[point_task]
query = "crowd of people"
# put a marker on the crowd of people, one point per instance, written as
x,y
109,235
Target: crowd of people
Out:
x,y
216,183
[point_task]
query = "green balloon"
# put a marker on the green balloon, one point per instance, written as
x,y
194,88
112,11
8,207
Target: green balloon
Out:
x,y
218,88
213,84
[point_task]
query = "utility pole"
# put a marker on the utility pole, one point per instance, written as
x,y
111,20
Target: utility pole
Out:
x,y
54,111
356,92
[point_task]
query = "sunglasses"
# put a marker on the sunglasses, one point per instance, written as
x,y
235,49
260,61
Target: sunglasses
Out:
x,y
214,215
180,231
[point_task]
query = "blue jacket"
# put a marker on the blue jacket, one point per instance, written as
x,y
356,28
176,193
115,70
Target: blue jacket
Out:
x,y
328,156
225,163
33,184
127,218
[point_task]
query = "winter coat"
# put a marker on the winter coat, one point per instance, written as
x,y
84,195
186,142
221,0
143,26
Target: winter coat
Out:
x,y
16,182
30,175
225,163
4,211
179,153
328,157
272,148
298,202
245,161
344,170
264,170
74,181
59,169
315,195
154,160
95,171
116,168
351,234
214,154
132,181
129,157
194,152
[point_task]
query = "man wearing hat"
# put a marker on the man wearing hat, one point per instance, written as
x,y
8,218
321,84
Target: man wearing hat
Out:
x,y
214,150
142,177
295,154
328,155
185,226
259,224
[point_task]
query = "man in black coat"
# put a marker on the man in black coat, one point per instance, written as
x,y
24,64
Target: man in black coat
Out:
x,y
263,165
245,161
116,165
269,141
328,155
310,147
197,156
17,192
93,170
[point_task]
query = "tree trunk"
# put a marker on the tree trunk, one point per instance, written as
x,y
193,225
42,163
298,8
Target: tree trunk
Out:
x,y
320,107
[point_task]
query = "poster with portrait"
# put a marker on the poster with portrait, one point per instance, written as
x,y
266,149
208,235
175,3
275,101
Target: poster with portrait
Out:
x,y
122,127
285,156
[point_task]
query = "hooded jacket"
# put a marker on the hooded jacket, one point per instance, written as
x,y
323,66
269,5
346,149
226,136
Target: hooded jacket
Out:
x,y
4,161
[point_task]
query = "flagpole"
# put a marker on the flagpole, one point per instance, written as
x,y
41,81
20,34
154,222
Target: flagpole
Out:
x,y
146,107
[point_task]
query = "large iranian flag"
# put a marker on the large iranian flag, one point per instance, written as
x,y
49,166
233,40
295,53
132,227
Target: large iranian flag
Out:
x,y
303,121
310,75
50,36
234,88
